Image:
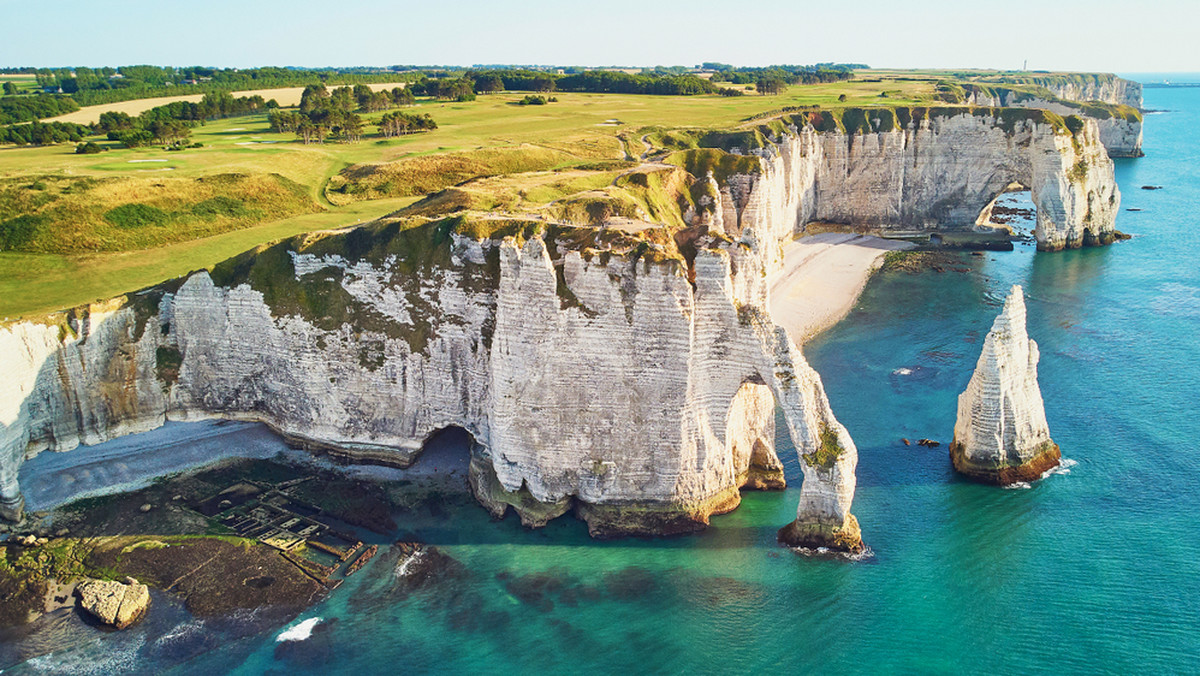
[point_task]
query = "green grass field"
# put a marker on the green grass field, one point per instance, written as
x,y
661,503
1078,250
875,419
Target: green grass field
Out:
x,y
565,146
26,83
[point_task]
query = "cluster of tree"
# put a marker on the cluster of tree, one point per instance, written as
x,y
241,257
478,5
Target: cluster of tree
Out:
x,y
536,100
599,81
397,123
730,91
787,74
617,82
724,67
770,85
372,101
171,124
512,80
10,89
44,133
452,89
26,108
322,114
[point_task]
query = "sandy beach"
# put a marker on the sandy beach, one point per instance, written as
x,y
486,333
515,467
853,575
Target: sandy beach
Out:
x,y
286,96
821,279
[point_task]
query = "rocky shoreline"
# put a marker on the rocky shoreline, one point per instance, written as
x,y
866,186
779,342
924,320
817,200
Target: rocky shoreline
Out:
x,y
102,556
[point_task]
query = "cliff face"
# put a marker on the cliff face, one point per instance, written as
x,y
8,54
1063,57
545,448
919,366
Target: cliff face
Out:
x,y
629,383
1105,88
930,175
1001,435
607,383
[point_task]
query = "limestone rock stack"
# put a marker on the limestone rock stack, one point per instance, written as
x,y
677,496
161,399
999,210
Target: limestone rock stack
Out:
x,y
1001,436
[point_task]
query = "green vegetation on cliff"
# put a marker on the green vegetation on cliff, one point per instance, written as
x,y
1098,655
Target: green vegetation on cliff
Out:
x,y
826,454
562,162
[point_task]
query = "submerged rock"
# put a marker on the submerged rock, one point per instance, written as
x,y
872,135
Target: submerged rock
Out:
x,y
1001,436
118,604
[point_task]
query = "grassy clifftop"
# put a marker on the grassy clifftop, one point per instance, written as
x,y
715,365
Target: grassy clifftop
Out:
x,y
59,213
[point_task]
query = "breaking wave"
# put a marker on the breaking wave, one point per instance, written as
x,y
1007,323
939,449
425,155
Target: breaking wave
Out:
x,y
402,569
299,632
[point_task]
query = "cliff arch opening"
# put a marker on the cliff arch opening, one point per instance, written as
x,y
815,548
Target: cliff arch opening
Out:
x,y
750,438
1011,211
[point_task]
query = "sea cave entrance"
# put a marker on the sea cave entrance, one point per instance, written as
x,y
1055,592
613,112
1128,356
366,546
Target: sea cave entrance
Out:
x,y
446,451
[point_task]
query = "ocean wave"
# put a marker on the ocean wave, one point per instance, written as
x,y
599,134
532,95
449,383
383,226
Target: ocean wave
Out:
x,y
101,657
902,372
402,569
183,631
1018,486
299,632
1064,467
825,552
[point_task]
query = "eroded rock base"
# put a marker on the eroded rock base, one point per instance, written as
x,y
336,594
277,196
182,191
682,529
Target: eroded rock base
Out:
x,y
1046,457
614,521
497,499
846,538
617,520
12,510
759,478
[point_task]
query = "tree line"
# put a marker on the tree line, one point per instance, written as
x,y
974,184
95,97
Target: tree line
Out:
x,y
44,133
171,124
788,75
25,108
92,86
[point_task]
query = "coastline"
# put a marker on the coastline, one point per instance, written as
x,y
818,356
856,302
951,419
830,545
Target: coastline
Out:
x,y
822,277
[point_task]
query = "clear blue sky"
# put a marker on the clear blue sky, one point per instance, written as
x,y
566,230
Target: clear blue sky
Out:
x,y
1100,35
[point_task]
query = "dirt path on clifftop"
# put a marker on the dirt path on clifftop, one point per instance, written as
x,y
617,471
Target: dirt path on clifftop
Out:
x,y
821,279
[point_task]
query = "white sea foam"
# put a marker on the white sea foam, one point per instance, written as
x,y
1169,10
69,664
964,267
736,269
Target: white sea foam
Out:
x,y
184,630
99,657
902,372
299,632
825,552
402,569
1064,467
1018,486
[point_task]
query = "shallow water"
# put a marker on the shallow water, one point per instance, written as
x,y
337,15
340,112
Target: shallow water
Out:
x,y
1095,569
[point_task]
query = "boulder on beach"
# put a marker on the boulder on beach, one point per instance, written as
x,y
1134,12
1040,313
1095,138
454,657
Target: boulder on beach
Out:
x,y
118,604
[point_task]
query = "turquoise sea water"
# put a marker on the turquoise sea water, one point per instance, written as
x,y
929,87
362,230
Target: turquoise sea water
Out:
x,y
1093,570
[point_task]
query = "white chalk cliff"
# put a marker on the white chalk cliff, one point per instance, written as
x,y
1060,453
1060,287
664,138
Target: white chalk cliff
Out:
x,y
927,172
632,384
1120,125
1001,435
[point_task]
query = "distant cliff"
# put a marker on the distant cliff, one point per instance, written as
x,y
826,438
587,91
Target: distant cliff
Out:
x,y
913,172
1103,87
1120,125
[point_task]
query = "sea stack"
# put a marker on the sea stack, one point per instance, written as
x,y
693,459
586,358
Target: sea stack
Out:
x,y
1001,436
